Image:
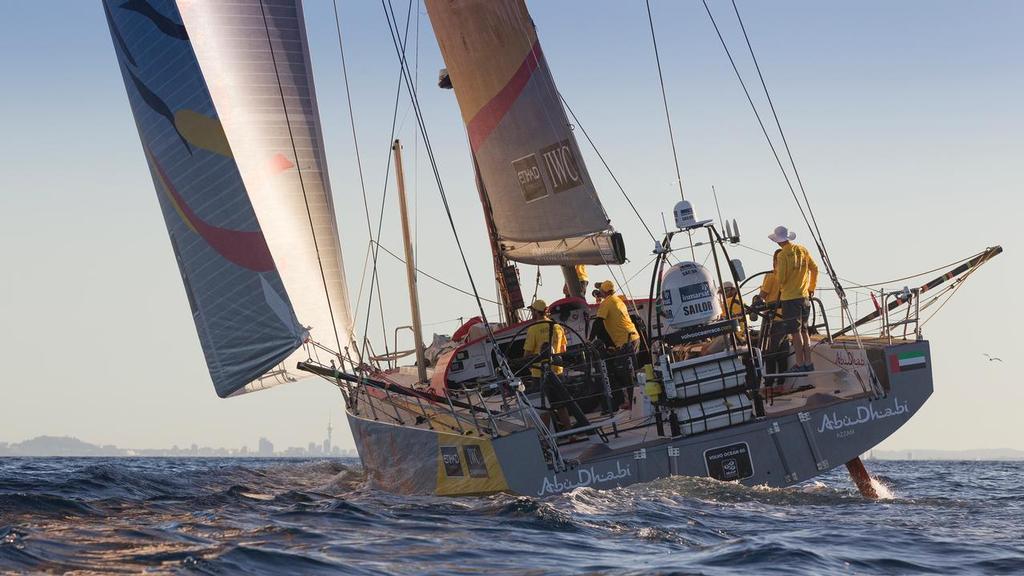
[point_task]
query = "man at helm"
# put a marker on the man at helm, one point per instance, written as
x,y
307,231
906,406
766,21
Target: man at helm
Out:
x,y
797,277
542,335
614,327
542,332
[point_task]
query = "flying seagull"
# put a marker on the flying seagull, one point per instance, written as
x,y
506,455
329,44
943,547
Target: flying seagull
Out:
x,y
992,358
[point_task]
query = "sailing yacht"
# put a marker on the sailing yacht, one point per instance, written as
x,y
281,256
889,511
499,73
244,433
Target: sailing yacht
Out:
x,y
225,105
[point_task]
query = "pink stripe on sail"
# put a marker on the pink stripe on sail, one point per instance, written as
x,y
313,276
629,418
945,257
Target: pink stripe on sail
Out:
x,y
240,247
487,119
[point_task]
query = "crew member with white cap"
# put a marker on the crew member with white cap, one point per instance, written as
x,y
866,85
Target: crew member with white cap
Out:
x,y
797,276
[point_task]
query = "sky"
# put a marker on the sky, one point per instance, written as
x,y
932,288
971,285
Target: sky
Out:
x,y
904,119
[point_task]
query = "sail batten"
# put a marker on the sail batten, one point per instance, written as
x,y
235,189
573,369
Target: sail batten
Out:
x,y
534,177
223,98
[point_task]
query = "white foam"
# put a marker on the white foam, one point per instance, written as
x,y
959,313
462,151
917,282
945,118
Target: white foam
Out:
x,y
883,491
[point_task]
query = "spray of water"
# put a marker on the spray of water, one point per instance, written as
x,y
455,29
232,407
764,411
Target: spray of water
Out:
x,y
883,491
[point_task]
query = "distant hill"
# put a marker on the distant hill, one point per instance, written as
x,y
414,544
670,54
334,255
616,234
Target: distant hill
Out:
x,y
58,446
976,454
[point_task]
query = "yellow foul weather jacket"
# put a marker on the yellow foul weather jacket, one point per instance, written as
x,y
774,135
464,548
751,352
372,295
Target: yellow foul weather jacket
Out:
x,y
797,272
617,323
537,335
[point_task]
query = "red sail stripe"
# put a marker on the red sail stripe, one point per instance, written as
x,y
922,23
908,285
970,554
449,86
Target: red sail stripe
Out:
x,y
246,249
487,119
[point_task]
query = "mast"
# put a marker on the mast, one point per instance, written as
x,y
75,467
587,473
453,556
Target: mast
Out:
x,y
511,300
410,265
572,281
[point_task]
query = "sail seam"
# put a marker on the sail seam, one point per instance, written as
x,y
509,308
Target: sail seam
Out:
x,y
302,184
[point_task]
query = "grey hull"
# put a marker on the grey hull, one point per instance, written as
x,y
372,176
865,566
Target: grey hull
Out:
x,y
774,451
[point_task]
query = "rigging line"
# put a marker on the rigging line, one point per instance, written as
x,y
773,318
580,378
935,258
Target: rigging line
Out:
x,y
434,278
721,223
641,271
952,292
760,122
607,167
302,184
352,120
362,283
826,258
769,254
664,100
778,124
501,359
932,271
416,143
430,154
815,237
375,278
359,161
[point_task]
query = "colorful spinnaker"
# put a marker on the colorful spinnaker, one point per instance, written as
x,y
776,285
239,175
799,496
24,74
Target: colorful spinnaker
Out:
x,y
223,97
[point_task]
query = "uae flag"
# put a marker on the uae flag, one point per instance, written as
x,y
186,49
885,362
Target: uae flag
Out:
x,y
903,361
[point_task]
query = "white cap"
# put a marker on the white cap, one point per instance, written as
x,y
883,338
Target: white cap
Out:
x,y
782,234
727,284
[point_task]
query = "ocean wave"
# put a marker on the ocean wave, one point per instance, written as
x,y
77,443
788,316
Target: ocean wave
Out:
x,y
319,516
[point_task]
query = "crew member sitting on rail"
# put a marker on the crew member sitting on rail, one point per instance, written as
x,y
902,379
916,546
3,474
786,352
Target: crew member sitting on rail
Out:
x,y
797,274
542,336
615,328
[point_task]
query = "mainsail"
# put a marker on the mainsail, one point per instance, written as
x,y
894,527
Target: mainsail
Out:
x,y
223,97
543,204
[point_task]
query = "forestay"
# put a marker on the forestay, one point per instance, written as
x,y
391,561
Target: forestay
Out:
x,y
543,203
230,128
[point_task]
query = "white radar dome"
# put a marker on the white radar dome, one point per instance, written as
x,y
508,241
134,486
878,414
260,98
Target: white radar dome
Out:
x,y
686,218
688,297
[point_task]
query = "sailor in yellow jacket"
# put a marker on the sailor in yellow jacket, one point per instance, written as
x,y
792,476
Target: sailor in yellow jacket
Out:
x,y
615,328
797,276
542,333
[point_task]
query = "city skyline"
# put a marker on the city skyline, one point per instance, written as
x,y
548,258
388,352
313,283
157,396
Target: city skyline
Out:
x,y
47,445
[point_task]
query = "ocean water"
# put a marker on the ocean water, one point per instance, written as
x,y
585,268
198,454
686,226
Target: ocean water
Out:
x,y
225,516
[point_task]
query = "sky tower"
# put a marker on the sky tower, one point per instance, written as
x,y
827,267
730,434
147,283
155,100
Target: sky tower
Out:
x,y
327,442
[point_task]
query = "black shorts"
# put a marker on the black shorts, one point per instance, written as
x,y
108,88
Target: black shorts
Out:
x,y
795,314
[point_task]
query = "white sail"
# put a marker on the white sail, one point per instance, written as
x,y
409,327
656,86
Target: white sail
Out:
x,y
267,104
223,97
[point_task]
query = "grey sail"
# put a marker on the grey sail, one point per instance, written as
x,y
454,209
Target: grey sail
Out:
x,y
543,203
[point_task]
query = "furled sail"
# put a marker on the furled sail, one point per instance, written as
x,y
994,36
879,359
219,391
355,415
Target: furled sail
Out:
x,y
543,204
222,95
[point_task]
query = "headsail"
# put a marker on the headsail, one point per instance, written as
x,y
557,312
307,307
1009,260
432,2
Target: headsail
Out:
x,y
252,225
544,206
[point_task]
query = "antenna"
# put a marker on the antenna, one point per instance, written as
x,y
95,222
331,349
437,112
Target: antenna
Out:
x,y
721,224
